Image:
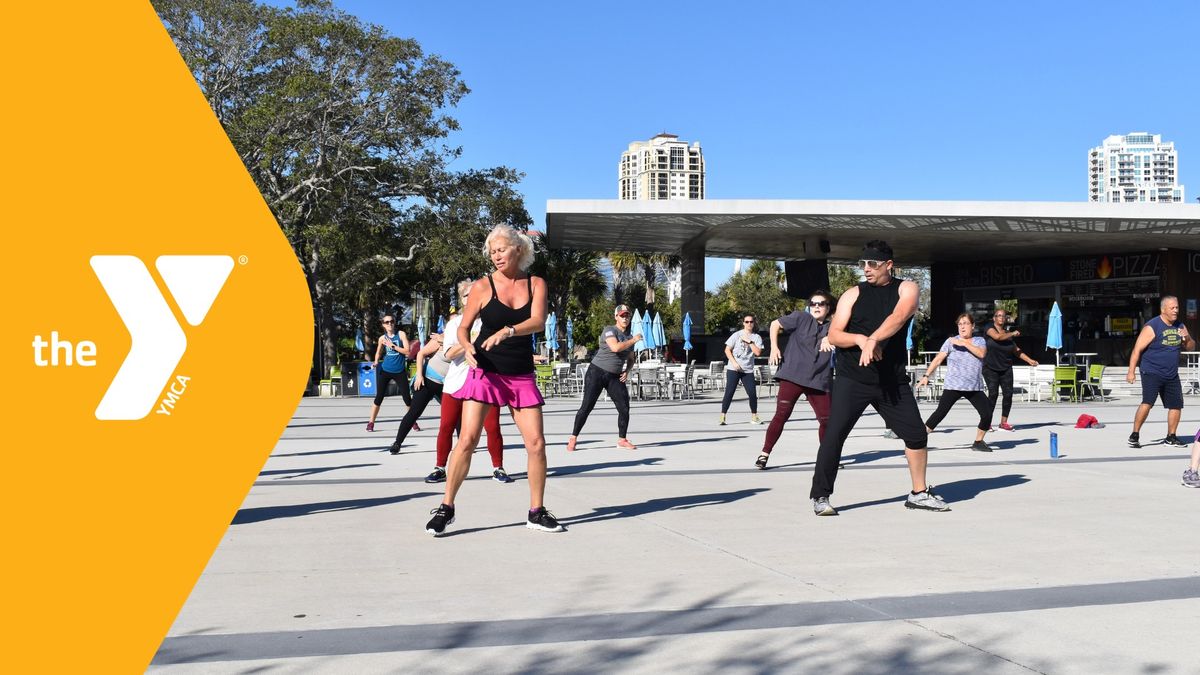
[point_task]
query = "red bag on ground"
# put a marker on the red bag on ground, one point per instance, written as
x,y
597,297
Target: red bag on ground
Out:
x,y
1086,421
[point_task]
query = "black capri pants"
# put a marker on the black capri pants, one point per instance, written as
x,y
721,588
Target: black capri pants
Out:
x,y
995,381
983,406
382,377
895,403
596,380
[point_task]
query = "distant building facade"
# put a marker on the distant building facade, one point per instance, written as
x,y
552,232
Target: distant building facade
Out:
x,y
1136,167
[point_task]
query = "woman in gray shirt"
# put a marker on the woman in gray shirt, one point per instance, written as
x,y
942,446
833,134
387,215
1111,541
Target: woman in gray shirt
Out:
x,y
608,372
740,349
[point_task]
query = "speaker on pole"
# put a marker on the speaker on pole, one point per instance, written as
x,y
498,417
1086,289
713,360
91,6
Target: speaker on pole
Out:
x,y
805,277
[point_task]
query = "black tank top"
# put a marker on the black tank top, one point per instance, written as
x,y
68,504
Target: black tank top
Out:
x,y
999,354
873,306
514,355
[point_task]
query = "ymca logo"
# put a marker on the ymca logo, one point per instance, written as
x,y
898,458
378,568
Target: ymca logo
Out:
x,y
157,339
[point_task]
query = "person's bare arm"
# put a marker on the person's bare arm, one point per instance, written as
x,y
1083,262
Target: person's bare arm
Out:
x,y
932,367
479,290
970,346
732,361
997,334
838,337
378,350
1144,339
906,306
775,329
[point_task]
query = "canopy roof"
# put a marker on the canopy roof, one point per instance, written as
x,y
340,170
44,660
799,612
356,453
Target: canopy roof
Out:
x,y
921,232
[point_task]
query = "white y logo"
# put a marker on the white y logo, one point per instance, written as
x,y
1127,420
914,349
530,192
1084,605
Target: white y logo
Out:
x,y
157,341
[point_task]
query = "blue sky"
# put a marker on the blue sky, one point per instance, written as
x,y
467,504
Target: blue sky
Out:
x,y
868,100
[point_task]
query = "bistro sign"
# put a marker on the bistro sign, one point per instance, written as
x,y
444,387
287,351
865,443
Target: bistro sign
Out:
x,y
1057,270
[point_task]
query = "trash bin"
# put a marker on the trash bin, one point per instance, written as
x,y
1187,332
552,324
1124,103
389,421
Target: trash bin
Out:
x,y
365,374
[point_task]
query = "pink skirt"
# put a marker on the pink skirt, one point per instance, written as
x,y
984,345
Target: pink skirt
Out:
x,y
518,391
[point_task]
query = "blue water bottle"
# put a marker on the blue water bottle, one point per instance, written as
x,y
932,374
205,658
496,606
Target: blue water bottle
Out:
x,y
1053,445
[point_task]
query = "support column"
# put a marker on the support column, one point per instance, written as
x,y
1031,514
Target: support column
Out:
x,y
692,285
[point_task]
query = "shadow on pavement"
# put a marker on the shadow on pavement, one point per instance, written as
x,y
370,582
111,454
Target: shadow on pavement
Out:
x,y
664,444
260,513
584,468
663,504
957,491
298,473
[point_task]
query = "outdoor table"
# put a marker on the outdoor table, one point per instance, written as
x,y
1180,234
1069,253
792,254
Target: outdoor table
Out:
x,y
927,356
1080,359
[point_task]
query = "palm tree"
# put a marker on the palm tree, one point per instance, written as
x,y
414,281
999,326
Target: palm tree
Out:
x,y
570,275
624,264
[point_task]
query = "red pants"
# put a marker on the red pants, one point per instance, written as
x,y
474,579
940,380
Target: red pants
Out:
x,y
789,393
452,418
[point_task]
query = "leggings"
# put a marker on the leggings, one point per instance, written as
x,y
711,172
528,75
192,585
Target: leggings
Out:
x,y
421,399
789,394
995,381
452,418
977,398
732,377
849,398
596,380
382,377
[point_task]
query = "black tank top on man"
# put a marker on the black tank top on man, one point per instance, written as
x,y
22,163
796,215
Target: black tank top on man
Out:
x,y
514,355
873,306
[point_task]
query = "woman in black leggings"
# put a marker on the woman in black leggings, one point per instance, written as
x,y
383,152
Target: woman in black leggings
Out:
x,y
608,372
392,348
964,356
741,348
997,365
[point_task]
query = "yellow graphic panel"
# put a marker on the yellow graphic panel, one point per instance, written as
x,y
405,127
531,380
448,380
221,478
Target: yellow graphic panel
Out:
x,y
157,334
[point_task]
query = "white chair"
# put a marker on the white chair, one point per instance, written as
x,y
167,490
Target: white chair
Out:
x,y
682,383
1040,378
763,378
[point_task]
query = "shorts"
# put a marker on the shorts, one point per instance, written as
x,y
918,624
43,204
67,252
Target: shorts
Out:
x,y
518,391
1170,388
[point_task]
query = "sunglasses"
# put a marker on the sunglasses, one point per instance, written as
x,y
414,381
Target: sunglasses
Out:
x,y
750,321
871,264
817,303
388,321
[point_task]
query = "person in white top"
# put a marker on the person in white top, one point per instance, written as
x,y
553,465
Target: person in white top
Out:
x,y
741,348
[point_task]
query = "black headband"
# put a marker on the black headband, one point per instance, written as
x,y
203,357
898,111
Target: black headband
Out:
x,y
875,254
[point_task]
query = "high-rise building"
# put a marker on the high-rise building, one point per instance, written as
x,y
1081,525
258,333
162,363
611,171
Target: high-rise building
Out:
x,y
663,167
1136,167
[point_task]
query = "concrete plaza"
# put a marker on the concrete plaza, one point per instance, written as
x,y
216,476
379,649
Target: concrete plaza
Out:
x,y
681,557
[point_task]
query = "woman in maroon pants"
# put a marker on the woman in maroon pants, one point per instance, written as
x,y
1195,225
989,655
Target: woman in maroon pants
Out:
x,y
806,367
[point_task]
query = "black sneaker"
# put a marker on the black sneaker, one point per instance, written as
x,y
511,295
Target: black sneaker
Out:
x,y
980,446
1172,439
761,462
543,520
442,516
1133,440
438,475
501,476
395,449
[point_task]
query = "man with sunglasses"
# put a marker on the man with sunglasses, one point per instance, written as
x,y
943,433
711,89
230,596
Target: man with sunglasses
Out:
x,y
806,369
871,371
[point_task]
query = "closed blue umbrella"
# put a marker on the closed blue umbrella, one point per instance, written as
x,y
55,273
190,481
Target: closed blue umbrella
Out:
x,y
441,324
687,331
635,326
908,343
570,337
421,330
648,331
358,341
660,335
1054,331
552,332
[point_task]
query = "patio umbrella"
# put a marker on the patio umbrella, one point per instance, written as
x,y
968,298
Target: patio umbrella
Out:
x,y
660,335
687,336
358,341
570,337
421,330
1054,332
648,331
635,326
908,343
441,324
552,333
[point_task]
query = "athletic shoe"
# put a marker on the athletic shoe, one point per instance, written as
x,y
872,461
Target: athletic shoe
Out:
x,y
1133,440
501,476
722,420
416,427
821,507
438,475
442,516
755,419
980,446
761,462
925,500
1191,479
932,489
395,448
370,426
1006,426
888,433
1172,439
625,444
570,444
543,520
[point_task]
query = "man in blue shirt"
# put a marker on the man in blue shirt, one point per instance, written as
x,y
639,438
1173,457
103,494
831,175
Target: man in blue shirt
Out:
x,y
1158,347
